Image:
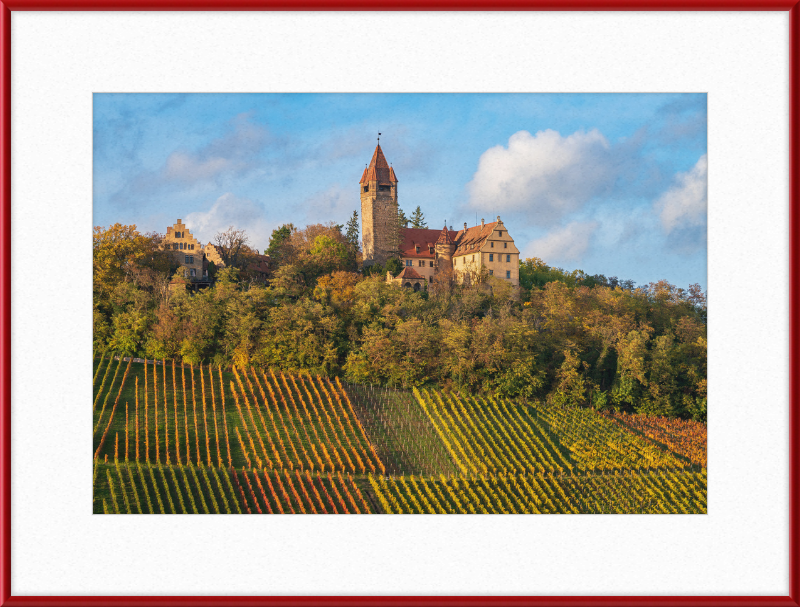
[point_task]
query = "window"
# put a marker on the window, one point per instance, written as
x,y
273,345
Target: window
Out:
x,y
192,272
508,258
430,264
501,233
421,263
366,188
417,249
175,246
508,273
505,245
384,188
491,272
430,250
186,259
491,256
473,258
409,263
492,244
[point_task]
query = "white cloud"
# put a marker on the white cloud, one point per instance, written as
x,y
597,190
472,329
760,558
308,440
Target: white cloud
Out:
x,y
228,210
234,153
685,204
546,175
335,203
568,243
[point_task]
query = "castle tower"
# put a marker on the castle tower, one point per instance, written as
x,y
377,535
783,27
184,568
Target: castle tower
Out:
x,y
445,247
379,228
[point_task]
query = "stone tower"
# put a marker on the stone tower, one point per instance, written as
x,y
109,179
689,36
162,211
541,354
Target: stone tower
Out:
x,y
379,228
445,247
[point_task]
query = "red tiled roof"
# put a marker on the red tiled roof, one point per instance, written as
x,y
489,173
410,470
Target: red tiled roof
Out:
x,y
378,169
467,241
409,272
472,239
261,264
411,238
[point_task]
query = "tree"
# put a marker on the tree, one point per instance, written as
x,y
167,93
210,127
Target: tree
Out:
x,y
120,253
232,246
279,248
352,231
418,219
394,265
402,220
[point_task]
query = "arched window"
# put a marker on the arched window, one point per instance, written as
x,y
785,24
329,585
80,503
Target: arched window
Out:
x,y
408,284
416,286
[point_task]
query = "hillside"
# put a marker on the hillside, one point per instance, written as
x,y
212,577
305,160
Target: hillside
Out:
x,y
173,438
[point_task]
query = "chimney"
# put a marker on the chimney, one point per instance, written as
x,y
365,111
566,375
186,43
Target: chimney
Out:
x,y
498,219
451,228
481,222
465,226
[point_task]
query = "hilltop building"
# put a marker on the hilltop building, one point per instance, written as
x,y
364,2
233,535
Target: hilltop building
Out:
x,y
190,253
187,250
427,253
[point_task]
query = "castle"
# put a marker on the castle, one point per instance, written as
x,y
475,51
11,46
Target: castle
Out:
x,y
426,254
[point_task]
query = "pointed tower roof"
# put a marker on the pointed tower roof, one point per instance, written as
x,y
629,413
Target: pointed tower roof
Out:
x,y
378,169
444,237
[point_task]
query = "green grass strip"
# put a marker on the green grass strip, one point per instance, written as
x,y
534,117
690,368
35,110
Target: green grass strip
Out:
x,y
113,493
232,493
178,490
172,508
221,491
135,491
188,488
144,485
122,487
199,489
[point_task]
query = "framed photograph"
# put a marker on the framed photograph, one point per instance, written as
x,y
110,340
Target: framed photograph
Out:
x,y
524,261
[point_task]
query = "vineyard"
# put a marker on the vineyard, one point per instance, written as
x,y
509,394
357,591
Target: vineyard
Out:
x,y
171,438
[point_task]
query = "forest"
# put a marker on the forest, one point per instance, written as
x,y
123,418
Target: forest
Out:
x,y
564,338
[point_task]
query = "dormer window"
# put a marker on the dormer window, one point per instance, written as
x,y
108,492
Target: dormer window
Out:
x,y
430,250
417,249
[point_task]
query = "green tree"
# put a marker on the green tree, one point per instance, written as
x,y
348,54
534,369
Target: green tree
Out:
x,y
351,234
394,265
418,219
402,220
279,249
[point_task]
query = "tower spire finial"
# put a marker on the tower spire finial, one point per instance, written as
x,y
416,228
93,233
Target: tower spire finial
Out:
x,y
379,138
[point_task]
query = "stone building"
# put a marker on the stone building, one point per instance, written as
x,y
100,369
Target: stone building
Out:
x,y
212,254
408,278
187,250
427,253
379,225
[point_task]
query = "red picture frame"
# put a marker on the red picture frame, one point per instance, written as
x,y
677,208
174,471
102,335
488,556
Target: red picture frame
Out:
x,y
792,6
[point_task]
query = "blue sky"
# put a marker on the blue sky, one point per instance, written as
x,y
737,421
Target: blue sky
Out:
x,y
609,183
